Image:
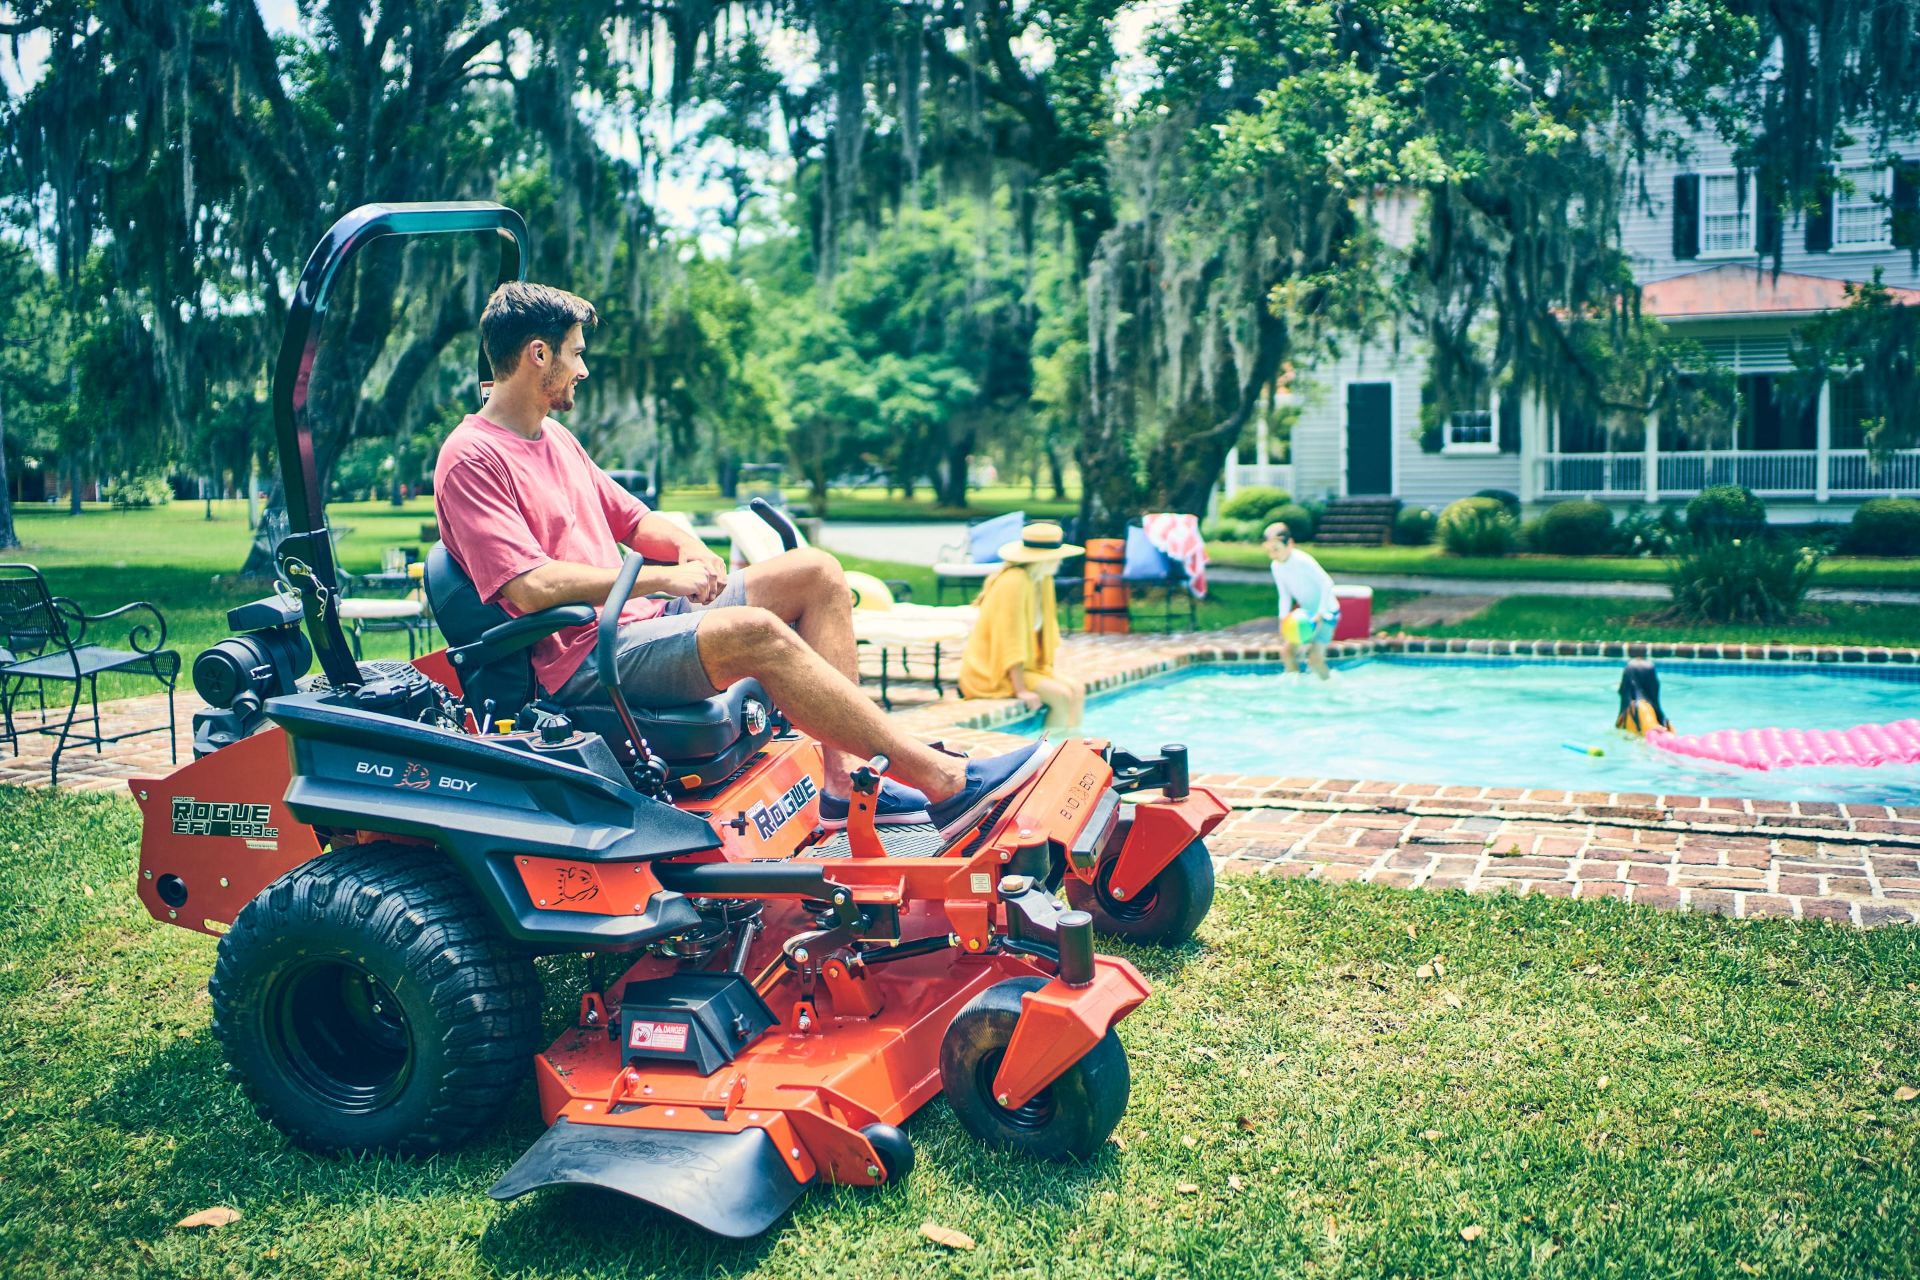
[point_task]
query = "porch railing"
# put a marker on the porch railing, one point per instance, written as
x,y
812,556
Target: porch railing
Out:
x,y
1795,473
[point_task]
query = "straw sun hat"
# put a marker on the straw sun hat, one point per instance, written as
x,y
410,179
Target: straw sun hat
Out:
x,y
1041,540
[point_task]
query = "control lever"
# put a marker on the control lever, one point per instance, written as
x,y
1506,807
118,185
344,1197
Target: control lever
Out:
x,y
862,840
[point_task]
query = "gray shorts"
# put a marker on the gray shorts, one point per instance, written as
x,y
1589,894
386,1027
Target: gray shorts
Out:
x,y
659,659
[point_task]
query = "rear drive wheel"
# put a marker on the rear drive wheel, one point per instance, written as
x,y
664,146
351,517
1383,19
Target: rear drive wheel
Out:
x,y
1166,911
1068,1120
366,1003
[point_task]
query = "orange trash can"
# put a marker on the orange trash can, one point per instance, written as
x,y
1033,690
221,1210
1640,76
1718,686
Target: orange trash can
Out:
x,y
1105,592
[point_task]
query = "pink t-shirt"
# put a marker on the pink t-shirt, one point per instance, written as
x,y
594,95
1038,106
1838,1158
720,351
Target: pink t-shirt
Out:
x,y
508,504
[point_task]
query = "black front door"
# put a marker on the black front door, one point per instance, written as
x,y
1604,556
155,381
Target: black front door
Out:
x,y
1369,437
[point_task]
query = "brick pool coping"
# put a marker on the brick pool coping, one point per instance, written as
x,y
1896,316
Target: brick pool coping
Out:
x,y
1857,863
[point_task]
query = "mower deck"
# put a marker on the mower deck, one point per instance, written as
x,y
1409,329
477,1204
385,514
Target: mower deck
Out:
x,y
732,1150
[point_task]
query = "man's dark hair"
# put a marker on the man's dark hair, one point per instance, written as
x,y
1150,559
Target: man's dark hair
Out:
x,y
519,312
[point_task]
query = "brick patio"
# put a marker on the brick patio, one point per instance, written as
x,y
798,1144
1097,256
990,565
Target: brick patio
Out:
x,y
1745,858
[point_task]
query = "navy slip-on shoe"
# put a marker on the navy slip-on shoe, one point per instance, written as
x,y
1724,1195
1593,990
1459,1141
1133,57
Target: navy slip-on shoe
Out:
x,y
899,806
987,781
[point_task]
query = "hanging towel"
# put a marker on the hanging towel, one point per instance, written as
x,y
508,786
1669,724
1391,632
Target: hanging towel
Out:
x,y
1178,537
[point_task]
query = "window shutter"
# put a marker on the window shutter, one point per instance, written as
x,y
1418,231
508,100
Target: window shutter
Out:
x,y
1820,217
1509,430
1766,217
1906,204
1686,215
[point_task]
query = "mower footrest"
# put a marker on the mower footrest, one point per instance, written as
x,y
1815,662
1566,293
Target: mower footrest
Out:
x,y
732,1184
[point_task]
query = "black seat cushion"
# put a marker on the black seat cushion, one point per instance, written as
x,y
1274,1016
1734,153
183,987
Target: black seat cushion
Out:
x,y
689,731
694,731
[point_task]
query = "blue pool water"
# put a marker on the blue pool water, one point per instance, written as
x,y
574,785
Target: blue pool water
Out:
x,y
1494,722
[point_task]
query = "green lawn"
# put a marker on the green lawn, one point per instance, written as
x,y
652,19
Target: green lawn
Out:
x,y
1601,618
1599,1090
1432,561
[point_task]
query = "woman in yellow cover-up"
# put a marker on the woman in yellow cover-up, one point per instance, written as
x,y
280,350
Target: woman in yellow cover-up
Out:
x,y
1011,651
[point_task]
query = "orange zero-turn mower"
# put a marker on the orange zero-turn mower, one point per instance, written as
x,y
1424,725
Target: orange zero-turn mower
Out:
x,y
383,857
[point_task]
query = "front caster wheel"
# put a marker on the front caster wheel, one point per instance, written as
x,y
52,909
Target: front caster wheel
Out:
x,y
1166,911
896,1152
366,1003
1070,1118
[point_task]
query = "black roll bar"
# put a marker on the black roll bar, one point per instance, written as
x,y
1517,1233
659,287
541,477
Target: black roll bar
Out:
x,y
305,556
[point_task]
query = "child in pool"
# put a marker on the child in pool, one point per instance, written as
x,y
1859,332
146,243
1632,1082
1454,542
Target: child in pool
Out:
x,y
1640,699
1304,586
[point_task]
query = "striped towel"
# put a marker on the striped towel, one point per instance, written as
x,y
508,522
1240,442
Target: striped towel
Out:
x,y
1178,538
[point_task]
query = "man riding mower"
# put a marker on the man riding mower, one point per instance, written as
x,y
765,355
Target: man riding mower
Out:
x,y
383,858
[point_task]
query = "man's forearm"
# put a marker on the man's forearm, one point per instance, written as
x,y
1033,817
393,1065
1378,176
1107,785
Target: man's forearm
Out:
x,y
560,582
658,538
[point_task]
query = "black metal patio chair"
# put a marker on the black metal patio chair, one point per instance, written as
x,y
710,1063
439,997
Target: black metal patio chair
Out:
x,y
45,639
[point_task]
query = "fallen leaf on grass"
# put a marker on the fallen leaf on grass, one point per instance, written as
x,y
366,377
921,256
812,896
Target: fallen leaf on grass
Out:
x,y
1423,972
1119,1143
87,889
1906,1093
1472,1233
1247,1123
1431,1135
218,1216
1545,1250
1412,933
1453,1001
946,1237
1603,1082
1235,1182
1188,1141
1440,966
1187,1188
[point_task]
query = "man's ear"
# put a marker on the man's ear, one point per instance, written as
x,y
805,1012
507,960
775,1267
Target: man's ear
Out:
x,y
537,352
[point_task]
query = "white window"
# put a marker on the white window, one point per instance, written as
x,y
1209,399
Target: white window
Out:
x,y
1860,206
1471,431
1726,215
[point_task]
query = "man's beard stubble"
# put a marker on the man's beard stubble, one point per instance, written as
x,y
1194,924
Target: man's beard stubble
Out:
x,y
559,391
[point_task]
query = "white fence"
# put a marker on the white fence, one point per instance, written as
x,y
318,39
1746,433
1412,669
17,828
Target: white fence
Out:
x,y
1849,473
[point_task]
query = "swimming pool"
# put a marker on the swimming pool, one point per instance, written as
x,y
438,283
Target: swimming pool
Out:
x,y
1502,722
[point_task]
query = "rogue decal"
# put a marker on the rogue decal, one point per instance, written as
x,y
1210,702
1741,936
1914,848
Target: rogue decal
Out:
x,y
769,818
251,822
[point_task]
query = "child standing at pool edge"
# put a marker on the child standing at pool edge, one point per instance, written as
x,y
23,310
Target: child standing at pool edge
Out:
x,y
1303,586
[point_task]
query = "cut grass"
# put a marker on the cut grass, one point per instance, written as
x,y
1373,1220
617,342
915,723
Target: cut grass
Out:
x,y
1601,1090
1433,562
1827,622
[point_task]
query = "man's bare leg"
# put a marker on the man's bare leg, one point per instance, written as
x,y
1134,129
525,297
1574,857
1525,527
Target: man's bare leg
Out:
x,y
806,589
752,641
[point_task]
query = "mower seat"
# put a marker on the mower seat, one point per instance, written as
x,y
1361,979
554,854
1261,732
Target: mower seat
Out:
x,y
490,650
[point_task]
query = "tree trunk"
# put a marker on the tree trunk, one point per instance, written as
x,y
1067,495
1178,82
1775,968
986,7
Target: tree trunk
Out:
x,y
8,538
1057,470
952,488
73,481
253,490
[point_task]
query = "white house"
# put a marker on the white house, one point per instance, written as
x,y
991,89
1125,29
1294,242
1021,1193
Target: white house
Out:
x,y
1700,253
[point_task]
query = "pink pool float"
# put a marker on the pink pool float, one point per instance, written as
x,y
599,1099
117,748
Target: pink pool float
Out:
x,y
1864,745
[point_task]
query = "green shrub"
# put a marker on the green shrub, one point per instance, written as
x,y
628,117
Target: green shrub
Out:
x,y
1300,522
1224,530
1753,579
1886,527
1254,502
1725,511
1511,501
1413,527
139,491
1577,528
1478,526
1648,531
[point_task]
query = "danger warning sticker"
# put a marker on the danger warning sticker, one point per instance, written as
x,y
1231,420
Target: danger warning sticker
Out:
x,y
669,1037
